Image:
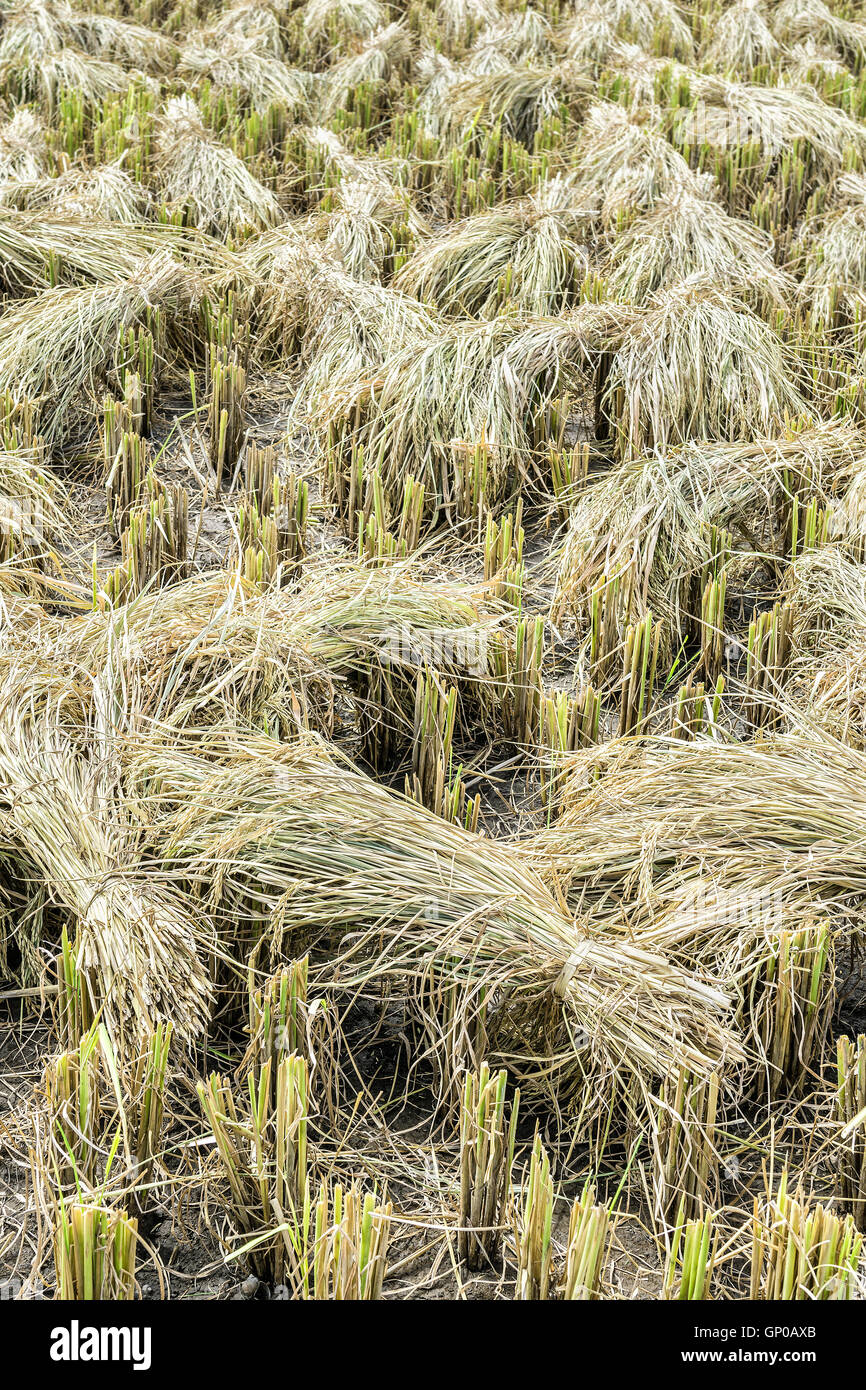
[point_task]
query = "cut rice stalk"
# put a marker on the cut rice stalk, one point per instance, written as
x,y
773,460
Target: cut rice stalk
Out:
x,y
567,722
588,1242
850,1106
377,545
769,647
434,782
281,1019
713,625
263,1157
349,1256
272,532
73,1013
534,1235
694,711
154,544
76,1126
569,470
94,1252
685,1160
226,418
803,1252
503,557
126,463
690,1261
787,1005
146,1105
639,663
138,353
521,675
487,1132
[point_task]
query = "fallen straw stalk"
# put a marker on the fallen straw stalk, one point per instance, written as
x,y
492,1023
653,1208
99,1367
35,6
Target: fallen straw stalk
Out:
x,y
772,117
626,163
796,20
658,520
686,235
367,219
827,660
318,853
136,947
239,66
656,25
532,255
37,249
377,60
398,317
346,19
49,74
215,649
834,279
718,855
458,386
300,295
105,193
519,99
699,365
205,180
56,347
741,39
35,504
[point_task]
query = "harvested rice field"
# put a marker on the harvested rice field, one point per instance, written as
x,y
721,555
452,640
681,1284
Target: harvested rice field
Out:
x,y
432,651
